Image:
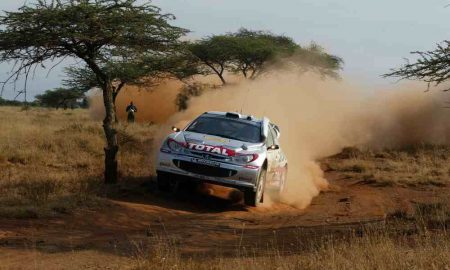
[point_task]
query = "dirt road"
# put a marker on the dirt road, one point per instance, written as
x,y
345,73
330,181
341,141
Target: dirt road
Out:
x,y
138,218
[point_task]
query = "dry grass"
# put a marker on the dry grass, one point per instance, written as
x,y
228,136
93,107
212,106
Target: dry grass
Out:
x,y
51,161
412,166
375,252
418,242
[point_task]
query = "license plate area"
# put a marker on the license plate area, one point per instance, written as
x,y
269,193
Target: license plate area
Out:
x,y
206,162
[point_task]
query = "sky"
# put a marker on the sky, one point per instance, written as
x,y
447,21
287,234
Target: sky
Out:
x,y
371,36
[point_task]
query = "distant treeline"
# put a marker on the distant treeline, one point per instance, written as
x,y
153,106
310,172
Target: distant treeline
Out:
x,y
56,98
7,102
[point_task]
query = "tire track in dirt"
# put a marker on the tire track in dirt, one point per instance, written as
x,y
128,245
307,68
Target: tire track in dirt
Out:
x,y
210,224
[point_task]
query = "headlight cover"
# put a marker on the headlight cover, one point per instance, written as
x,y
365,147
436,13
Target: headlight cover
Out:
x,y
245,158
174,145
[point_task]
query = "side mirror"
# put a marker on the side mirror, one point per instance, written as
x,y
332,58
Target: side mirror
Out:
x,y
277,128
277,131
273,147
175,129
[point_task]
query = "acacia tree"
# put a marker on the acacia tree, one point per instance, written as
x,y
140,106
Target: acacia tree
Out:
x,y
84,78
313,58
432,67
121,74
256,49
146,71
252,53
94,31
216,53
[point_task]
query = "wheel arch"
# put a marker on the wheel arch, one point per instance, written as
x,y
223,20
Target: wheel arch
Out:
x,y
265,164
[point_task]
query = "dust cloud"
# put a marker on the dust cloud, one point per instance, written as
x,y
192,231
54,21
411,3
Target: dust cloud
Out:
x,y
154,105
319,117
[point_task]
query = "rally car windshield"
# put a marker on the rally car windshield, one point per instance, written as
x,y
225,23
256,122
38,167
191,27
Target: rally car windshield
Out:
x,y
227,128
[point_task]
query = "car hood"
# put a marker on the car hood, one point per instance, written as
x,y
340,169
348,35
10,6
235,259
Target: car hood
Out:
x,y
217,141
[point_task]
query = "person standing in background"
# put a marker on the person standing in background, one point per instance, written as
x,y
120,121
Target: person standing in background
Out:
x,y
131,110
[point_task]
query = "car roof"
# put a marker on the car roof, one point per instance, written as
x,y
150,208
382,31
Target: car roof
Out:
x,y
235,115
263,123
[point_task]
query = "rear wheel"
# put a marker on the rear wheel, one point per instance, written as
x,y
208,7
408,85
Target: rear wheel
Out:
x,y
254,198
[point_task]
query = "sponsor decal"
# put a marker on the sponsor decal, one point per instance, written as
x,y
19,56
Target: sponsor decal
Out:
x,y
216,139
220,150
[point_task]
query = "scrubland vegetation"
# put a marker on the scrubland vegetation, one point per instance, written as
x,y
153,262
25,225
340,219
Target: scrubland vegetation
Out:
x,y
408,166
51,166
51,161
416,240
55,164
373,251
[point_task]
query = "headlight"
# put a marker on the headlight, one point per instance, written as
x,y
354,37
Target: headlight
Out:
x,y
245,158
174,145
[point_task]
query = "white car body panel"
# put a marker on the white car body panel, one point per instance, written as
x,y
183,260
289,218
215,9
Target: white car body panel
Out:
x,y
211,158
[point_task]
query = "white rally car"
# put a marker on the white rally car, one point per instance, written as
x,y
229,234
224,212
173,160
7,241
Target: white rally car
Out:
x,y
226,149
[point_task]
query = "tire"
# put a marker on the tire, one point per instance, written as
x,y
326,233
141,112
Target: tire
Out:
x,y
164,183
255,198
187,186
278,192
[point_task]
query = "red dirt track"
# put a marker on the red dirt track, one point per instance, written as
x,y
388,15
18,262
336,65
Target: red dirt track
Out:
x,y
201,225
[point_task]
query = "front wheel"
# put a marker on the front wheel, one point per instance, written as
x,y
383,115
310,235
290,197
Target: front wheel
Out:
x,y
283,179
277,192
165,183
255,198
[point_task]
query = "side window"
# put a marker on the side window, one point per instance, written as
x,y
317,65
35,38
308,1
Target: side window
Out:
x,y
270,138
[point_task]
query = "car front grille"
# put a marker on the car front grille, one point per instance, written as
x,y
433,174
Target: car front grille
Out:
x,y
203,169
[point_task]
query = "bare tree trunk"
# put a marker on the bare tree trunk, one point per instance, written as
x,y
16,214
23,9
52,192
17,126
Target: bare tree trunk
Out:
x,y
219,73
111,148
116,120
222,78
253,75
222,68
114,95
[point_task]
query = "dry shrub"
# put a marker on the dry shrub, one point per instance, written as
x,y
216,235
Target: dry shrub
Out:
x,y
39,191
376,250
419,240
161,253
410,165
51,161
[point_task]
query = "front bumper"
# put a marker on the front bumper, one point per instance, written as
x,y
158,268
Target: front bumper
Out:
x,y
222,173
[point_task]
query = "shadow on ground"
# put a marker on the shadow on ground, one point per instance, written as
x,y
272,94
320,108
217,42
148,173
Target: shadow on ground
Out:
x,y
189,197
